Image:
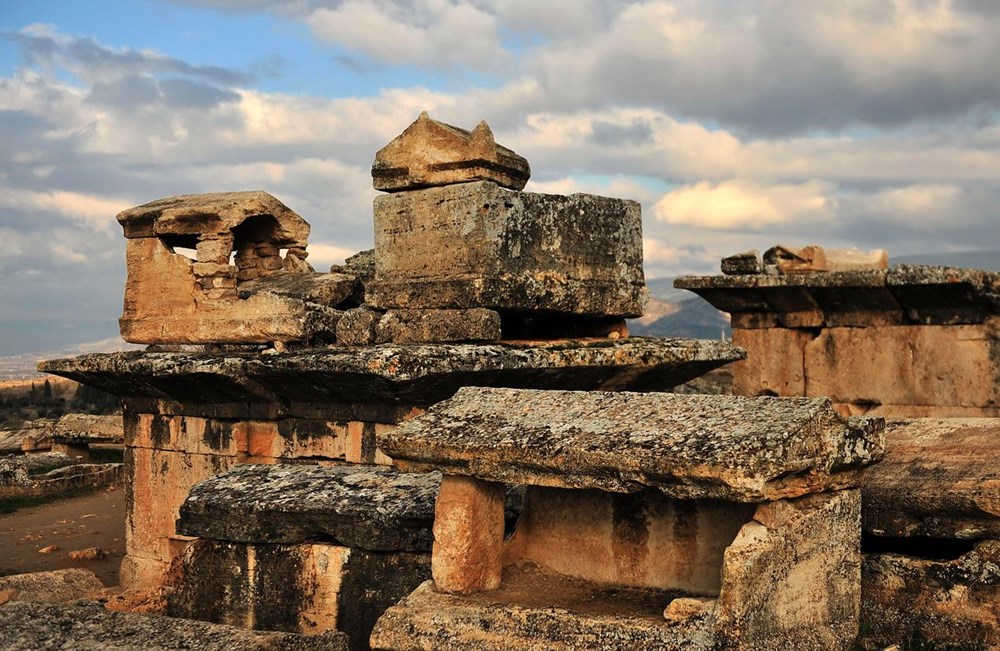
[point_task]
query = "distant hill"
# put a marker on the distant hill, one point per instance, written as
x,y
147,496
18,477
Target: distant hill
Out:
x,y
13,367
679,313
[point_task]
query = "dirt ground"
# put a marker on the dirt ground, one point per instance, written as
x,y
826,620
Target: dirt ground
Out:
x,y
92,520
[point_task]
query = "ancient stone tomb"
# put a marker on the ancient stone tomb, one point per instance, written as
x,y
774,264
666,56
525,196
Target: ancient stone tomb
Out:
x,y
650,521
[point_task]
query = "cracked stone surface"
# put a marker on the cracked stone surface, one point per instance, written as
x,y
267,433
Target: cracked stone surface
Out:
x,y
398,374
358,506
688,446
87,626
939,479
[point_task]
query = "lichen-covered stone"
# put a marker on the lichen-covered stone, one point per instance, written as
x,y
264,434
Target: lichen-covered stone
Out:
x,y
726,447
939,479
947,602
57,586
358,327
88,626
429,326
477,245
397,374
359,506
743,263
331,290
104,428
431,153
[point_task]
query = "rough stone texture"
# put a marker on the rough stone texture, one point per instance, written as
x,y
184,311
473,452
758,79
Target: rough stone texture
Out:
x,y
358,327
306,589
790,581
743,263
58,586
361,265
90,427
430,153
216,213
31,436
725,447
951,603
366,507
939,479
905,294
791,578
468,535
860,368
89,627
51,474
394,375
429,326
477,245
165,304
331,289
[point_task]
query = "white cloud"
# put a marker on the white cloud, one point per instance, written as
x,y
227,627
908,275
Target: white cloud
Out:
x,y
90,210
743,205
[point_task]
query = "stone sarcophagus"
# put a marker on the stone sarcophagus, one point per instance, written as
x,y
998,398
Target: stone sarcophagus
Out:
x,y
650,521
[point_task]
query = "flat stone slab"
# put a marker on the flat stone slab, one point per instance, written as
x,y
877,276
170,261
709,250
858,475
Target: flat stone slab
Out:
x,y
939,479
367,507
688,446
89,627
418,374
57,586
609,619
909,293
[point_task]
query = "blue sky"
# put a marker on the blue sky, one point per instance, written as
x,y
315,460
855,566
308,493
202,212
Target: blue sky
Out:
x,y
736,125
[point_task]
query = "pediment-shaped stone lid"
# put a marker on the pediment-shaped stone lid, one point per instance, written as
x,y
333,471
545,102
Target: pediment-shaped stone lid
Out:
x,y
687,446
431,153
216,213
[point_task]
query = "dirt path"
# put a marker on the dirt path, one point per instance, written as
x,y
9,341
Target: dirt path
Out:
x,y
93,520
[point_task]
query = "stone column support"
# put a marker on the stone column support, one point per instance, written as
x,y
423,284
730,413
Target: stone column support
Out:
x,y
468,535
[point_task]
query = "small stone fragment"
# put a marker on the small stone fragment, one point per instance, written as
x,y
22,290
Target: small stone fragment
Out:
x,y
9,594
89,554
683,608
743,264
426,326
49,549
432,153
814,258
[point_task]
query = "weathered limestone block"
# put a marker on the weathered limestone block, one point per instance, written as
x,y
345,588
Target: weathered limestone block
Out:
x,y
87,625
430,153
358,327
791,577
945,295
308,589
942,365
950,603
361,265
777,365
468,535
331,290
477,245
411,375
358,506
57,586
813,258
428,326
939,479
721,447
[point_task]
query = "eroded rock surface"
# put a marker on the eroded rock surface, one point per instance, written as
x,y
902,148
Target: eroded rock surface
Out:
x,y
359,506
477,245
727,447
88,626
57,586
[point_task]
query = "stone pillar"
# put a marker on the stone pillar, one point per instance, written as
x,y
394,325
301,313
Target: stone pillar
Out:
x,y
468,535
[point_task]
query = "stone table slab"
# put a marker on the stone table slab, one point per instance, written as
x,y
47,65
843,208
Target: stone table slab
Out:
x,y
939,479
87,626
367,507
416,374
688,446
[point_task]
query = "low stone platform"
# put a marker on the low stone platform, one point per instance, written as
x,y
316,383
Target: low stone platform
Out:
x,y
364,507
88,626
691,447
397,374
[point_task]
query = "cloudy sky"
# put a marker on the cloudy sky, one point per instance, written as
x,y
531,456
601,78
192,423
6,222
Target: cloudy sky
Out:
x,y
736,124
